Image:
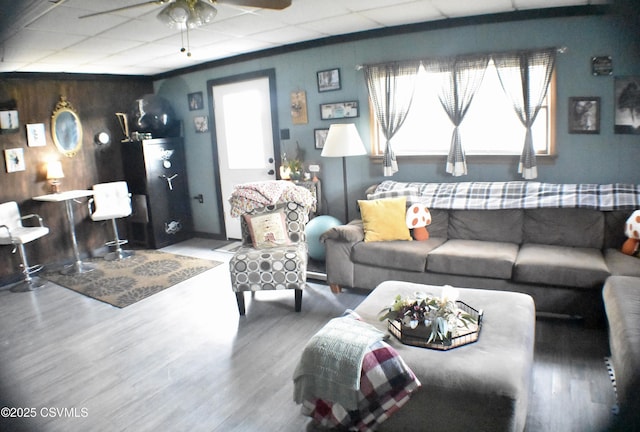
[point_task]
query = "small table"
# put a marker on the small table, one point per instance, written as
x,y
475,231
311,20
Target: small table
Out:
x,y
78,266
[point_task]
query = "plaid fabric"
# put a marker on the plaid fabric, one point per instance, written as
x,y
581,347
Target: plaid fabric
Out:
x,y
385,386
512,195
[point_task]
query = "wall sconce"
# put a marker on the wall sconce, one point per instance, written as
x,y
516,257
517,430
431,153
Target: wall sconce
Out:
x,y
54,174
102,138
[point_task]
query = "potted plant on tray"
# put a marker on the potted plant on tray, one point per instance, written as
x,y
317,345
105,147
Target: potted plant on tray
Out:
x,y
430,318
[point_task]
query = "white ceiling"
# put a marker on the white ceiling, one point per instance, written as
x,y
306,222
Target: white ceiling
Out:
x,y
48,36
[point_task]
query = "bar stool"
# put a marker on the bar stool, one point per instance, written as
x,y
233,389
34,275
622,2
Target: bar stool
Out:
x,y
111,201
12,232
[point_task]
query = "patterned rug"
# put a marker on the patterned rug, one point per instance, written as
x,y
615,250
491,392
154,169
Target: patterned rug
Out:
x,y
122,283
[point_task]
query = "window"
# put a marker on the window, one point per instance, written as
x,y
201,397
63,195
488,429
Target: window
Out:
x,y
490,127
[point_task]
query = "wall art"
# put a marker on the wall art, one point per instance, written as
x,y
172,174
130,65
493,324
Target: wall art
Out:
x,y
339,110
584,115
35,135
14,160
601,65
320,136
299,107
329,80
196,101
627,103
201,124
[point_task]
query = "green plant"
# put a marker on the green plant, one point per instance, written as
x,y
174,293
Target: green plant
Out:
x,y
439,314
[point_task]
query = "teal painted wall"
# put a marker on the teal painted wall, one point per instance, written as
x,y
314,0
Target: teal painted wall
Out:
x,y
601,158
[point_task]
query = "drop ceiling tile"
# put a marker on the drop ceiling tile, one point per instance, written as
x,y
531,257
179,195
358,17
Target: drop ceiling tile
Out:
x,y
287,35
65,20
103,45
302,11
533,4
35,40
458,8
342,25
407,13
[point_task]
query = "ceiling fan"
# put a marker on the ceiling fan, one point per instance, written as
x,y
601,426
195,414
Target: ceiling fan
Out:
x,y
203,5
190,14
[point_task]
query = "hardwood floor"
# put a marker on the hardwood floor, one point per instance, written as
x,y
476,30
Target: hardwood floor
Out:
x,y
183,360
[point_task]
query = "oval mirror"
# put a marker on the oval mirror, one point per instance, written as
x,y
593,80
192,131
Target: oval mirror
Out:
x,y
66,128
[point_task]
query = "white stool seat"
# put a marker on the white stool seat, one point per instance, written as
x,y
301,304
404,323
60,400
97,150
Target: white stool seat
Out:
x,y
111,201
22,235
12,232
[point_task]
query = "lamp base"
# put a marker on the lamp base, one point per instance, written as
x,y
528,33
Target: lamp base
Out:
x,y
55,186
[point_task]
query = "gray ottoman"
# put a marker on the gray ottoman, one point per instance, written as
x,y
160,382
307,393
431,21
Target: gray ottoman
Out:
x,y
483,386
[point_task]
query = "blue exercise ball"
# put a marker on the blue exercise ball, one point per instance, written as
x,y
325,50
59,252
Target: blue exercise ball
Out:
x,y
314,229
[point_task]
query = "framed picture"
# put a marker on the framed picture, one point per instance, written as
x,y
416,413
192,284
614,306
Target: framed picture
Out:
x,y
627,102
196,102
14,160
339,110
329,80
299,107
320,136
201,124
602,65
35,135
584,115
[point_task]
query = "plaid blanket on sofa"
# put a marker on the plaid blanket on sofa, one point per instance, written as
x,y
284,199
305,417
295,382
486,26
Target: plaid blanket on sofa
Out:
x,y
513,195
386,384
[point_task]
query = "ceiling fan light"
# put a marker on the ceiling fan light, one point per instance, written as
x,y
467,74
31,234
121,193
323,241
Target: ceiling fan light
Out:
x,y
175,15
205,12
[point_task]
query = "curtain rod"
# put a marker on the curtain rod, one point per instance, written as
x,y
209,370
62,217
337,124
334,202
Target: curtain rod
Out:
x,y
559,50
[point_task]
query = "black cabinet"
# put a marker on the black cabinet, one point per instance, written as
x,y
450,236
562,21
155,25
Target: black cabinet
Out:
x,y
155,171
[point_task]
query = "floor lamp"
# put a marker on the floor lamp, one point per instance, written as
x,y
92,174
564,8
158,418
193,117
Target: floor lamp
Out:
x,y
343,140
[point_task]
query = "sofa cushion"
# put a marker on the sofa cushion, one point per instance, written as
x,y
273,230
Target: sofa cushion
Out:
x,y
620,264
474,258
582,228
560,265
622,305
403,255
439,223
351,233
614,222
488,225
384,219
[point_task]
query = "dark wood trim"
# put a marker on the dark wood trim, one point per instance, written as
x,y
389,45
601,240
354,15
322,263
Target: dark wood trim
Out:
x,y
62,76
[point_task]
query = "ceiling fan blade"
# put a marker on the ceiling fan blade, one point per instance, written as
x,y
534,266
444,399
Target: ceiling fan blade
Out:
x,y
263,4
155,2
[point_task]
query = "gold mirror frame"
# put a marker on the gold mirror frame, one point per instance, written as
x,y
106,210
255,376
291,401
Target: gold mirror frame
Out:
x,y
66,128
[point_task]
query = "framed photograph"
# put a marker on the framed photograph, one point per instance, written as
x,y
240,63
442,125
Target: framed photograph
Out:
x,y
299,107
14,160
201,123
320,136
329,80
339,110
584,115
196,101
601,65
35,135
627,103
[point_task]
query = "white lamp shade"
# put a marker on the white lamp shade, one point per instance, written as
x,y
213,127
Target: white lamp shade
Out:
x,y
343,140
54,170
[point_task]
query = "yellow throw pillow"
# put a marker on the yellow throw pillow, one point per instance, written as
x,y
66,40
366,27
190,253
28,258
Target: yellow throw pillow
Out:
x,y
384,219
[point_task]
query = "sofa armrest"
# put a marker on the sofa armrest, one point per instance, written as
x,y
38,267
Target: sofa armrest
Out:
x,y
353,232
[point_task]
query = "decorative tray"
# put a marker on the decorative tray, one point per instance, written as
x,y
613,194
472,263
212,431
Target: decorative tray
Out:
x,y
419,336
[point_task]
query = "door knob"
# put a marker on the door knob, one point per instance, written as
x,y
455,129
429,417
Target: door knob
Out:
x,y
270,160
271,172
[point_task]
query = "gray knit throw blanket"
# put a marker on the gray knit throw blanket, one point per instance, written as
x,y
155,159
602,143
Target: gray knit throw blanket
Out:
x,y
331,363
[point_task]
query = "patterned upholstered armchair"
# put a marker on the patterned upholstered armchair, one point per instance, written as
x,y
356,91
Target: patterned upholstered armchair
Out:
x,y
279,265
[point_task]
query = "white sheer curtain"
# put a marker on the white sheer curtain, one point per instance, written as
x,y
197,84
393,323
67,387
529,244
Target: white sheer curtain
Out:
x,y
462,77
391,87
525,77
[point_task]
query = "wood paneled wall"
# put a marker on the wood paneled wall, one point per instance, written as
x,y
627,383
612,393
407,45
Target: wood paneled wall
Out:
x,y
96,99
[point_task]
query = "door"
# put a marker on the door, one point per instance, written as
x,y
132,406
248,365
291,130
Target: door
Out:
x,y
245,135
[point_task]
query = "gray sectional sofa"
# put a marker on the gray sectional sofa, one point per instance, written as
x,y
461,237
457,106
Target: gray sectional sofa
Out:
x,y
559,256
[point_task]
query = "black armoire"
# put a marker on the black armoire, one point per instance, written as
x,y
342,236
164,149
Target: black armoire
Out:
x,y
155,171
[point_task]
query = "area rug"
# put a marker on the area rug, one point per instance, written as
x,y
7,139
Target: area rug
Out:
x,y
122,283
